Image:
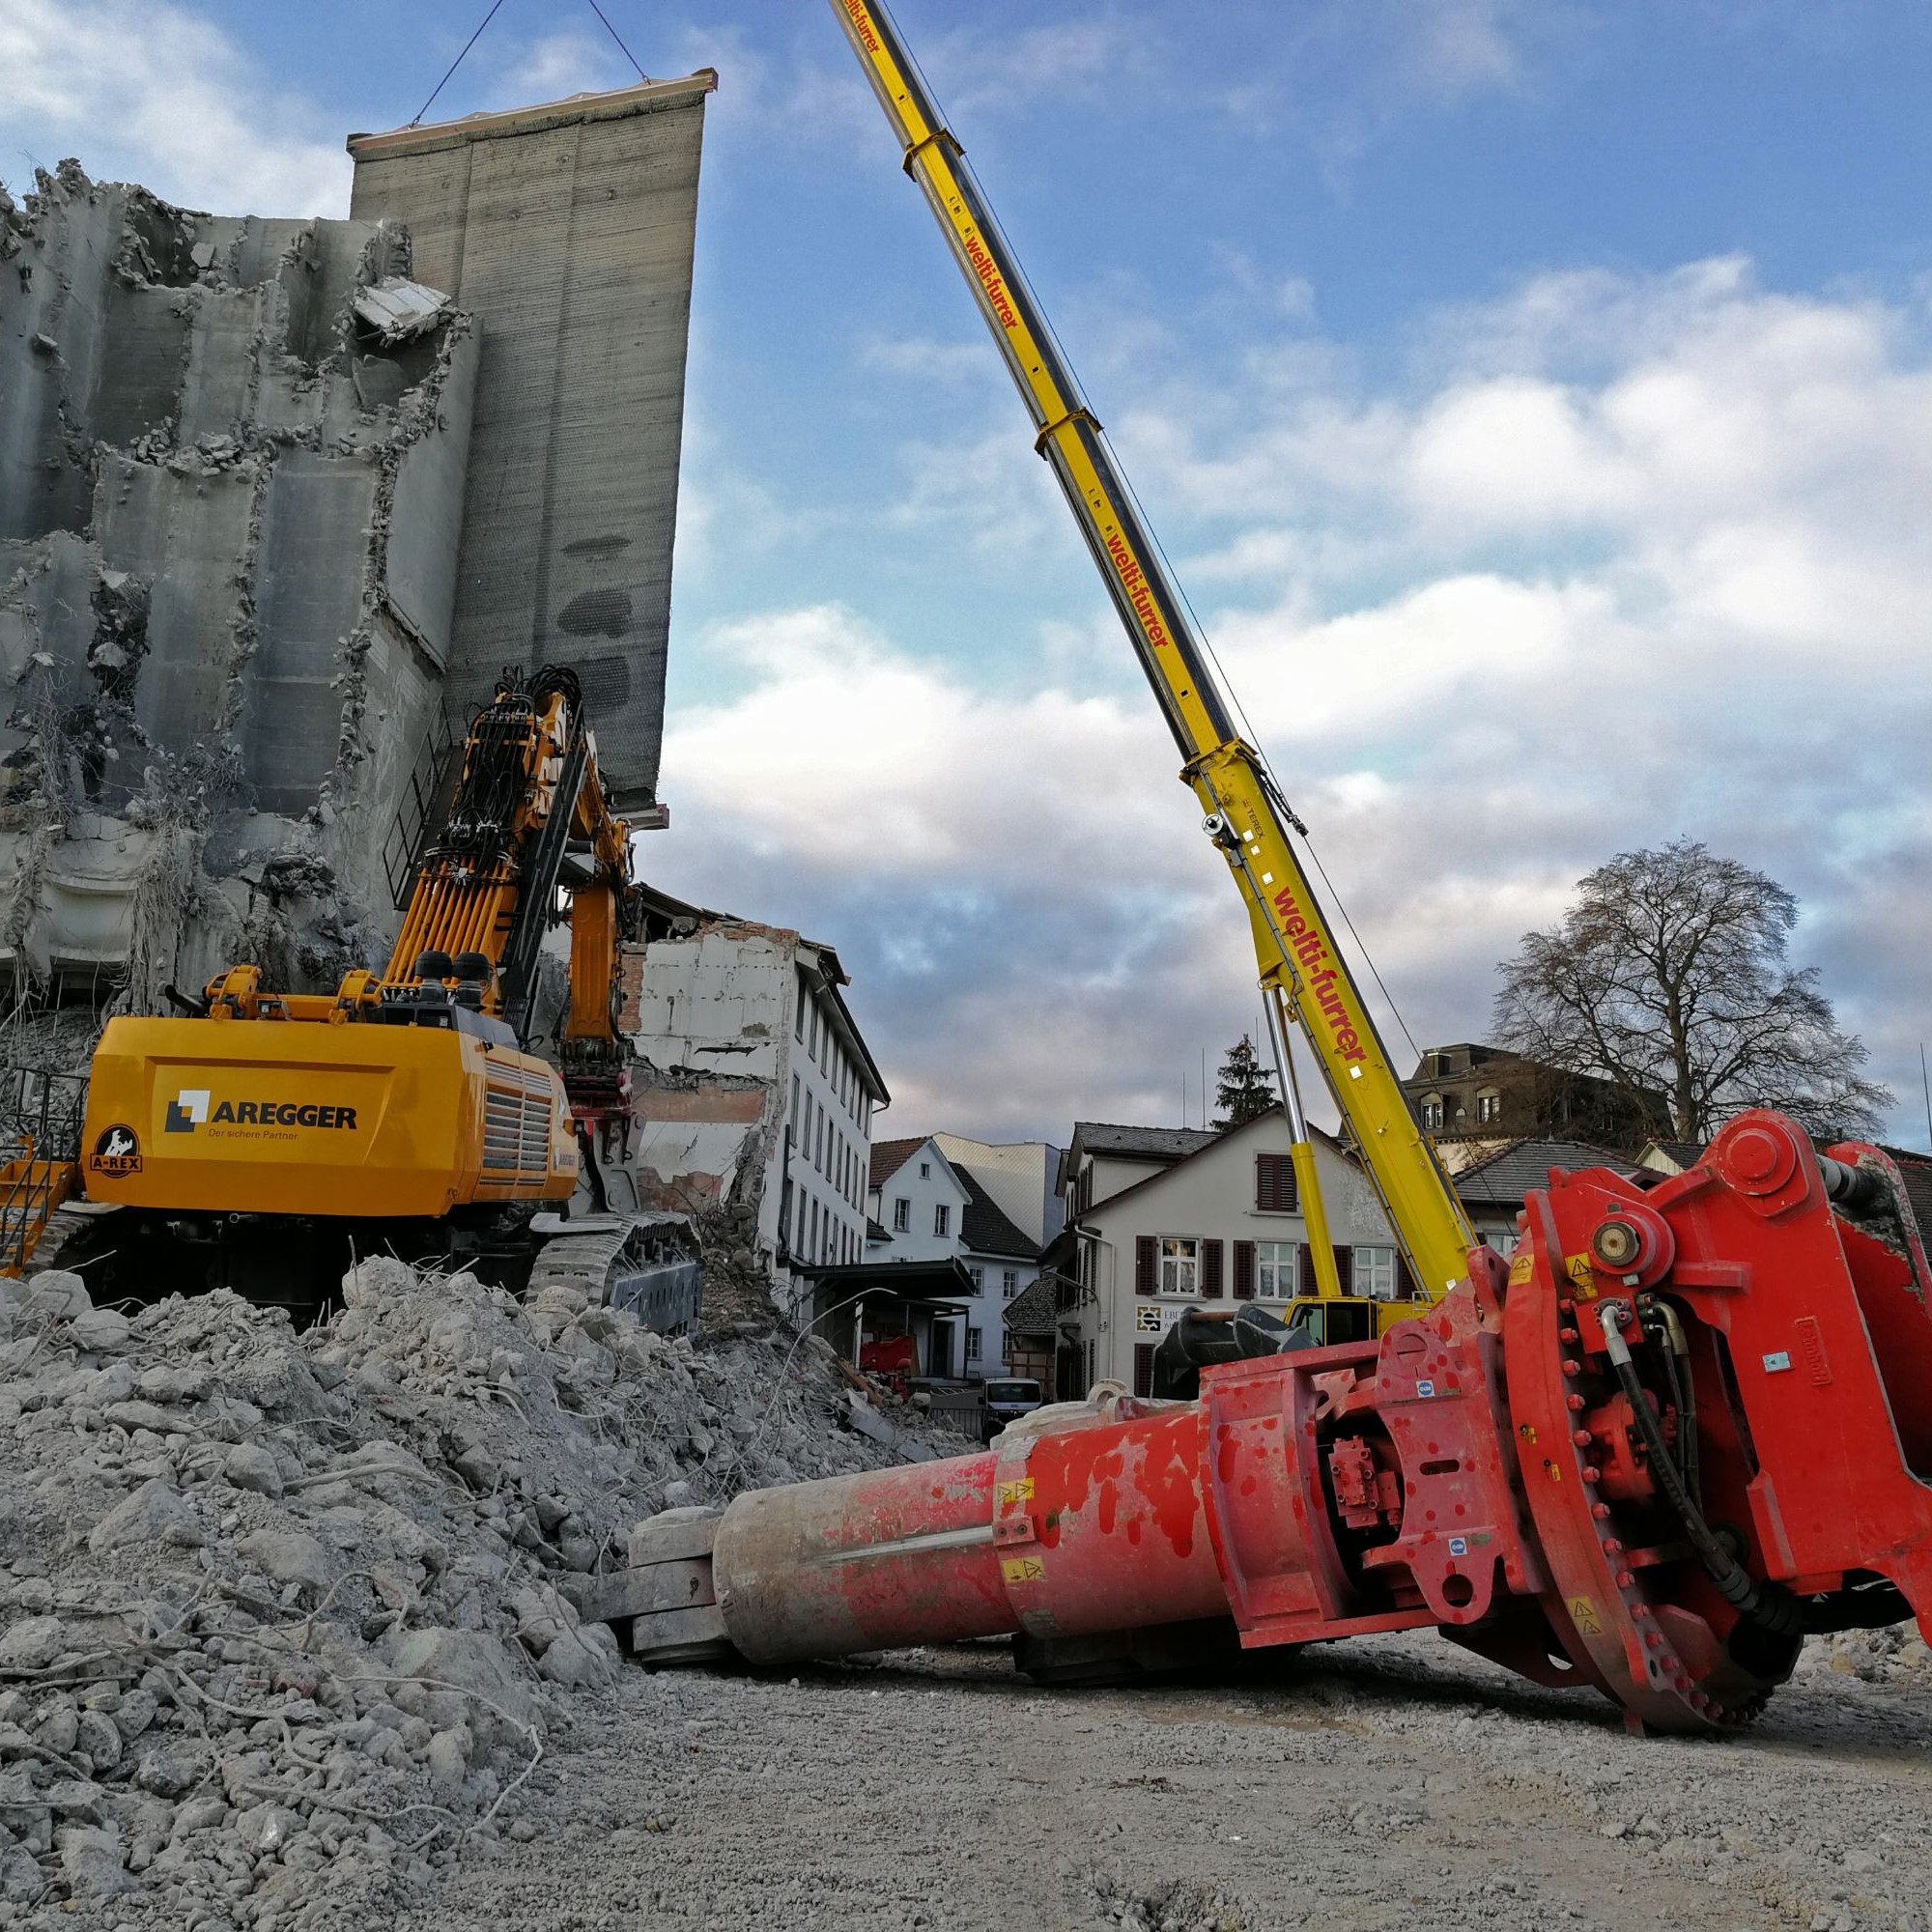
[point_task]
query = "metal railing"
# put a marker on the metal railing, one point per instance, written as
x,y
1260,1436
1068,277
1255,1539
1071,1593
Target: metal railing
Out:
x,y
424,804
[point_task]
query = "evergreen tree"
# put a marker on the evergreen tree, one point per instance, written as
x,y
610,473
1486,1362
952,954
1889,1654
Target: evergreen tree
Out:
x,y
1244,1089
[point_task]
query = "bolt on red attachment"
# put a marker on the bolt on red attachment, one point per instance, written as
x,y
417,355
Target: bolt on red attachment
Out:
x,y
1754,1464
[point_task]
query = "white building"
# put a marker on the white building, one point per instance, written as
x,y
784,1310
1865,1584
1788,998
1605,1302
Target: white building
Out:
x,y
1023,1178
1163,1219
753,1085
925,1208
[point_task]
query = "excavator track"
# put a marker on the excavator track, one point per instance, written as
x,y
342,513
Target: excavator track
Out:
x,y
645,1263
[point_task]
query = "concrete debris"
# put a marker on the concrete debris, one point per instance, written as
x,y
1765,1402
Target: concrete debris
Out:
x,y
397,308
277,1603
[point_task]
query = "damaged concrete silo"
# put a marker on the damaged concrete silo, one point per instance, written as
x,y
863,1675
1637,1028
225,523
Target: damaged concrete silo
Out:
x,y
567,230
229,510
238,456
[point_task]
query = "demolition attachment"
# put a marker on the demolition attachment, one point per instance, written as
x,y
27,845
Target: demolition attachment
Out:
x,y
1683,1427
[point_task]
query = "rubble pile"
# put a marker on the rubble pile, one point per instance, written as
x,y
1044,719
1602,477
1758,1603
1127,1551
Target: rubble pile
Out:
x,y
276,1602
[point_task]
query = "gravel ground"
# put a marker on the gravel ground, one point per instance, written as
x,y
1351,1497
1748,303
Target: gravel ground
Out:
x,y
1396,1783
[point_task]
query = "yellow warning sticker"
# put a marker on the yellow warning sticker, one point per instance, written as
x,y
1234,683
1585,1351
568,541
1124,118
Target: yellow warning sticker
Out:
x,y
1521,1268
1582,1275
1019,1491
1583,1615
1551,1470
1022,1568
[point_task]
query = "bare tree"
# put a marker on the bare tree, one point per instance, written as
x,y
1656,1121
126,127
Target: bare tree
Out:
x,y
1669,976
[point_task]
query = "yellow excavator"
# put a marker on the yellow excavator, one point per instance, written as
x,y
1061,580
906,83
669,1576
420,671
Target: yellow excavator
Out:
x,y
261,1139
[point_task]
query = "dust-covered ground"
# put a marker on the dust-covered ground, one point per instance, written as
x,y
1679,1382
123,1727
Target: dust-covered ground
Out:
x,y
1396,1783
290,1643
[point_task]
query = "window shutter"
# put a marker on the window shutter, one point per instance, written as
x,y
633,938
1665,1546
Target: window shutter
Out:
x,y
1244,1270
1274,1184
1143,1368
1404,1277
1345,1268
1144,1264
1210,1271
1304,1271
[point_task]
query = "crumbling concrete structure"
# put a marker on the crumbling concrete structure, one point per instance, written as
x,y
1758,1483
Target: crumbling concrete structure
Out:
x,y
277,504
229,508
568,231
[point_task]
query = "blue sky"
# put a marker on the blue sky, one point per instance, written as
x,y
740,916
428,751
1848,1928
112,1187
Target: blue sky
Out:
x,y
1535,398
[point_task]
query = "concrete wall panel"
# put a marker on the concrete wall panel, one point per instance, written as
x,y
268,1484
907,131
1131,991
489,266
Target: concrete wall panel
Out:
x,y
569,232
187,535
426,513
317,517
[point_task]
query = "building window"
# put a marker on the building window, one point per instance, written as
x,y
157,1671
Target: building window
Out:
x,y
1010,1284
972,1344
1179,1265
1274,1183
1488,1105
901,1215
942,1218
978,1277
925,1170
1431,1112
1375,1273
1275,1269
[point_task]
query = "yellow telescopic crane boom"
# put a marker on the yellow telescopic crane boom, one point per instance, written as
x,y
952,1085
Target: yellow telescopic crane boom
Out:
x,y
1300,962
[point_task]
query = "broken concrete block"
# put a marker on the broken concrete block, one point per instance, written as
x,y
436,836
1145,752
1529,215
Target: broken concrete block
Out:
x,y
250,1466
92,1859
289,1556
101,1330
32,1644
586,1655
377,1279
448,1758
152,1514
57,1295
131,1415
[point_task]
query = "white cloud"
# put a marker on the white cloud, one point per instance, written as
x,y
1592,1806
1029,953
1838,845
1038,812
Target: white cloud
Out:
x,y
1645,556
147,91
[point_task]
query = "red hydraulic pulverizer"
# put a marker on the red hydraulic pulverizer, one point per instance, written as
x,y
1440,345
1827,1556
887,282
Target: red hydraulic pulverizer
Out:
x,y
1685,1424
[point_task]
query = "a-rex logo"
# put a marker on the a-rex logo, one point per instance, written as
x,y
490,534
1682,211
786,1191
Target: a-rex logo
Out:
x,y
196,1106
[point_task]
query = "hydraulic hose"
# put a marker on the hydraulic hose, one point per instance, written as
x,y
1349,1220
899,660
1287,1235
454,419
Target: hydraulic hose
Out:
x,y
1769,1605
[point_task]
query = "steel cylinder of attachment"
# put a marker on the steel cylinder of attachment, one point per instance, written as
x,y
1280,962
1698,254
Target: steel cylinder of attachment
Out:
x,y
1093,1526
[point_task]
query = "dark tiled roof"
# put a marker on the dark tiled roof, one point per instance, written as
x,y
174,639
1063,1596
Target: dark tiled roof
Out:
x,y
1142,1142
984,1227
1506,1177
1915,1169
1033,1308
889,1156
875,1232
